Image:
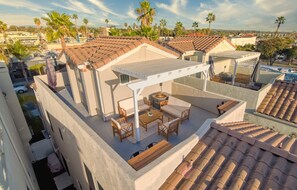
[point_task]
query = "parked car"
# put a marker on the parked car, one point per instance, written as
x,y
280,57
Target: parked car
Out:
x,y
20,89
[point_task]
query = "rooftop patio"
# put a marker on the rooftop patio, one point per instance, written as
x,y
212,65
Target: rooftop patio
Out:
x,y
126,148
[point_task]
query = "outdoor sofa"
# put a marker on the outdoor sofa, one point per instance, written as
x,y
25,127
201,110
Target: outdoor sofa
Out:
x,y
176,107
126,106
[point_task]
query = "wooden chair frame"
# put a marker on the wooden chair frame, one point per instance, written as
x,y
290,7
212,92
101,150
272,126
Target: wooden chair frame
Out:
x,y
122,121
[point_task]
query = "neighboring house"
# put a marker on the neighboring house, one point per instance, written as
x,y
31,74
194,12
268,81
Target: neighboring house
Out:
x,y
278,109
243,40
199,48
238,155
15,153
103,72
101,54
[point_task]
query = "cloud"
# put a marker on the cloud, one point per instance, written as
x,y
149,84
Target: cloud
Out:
x,y
174,7
17,19
76,6
131,13
23,4
103,7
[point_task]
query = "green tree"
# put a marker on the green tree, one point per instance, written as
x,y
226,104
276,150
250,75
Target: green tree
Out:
x,y
126,25
75,17
21,52
292,54
37,67
163,24
210,18
195,25
86,21
246,47
134,26
270,47
178,29
115,32
3,28
106,21
146,13
59,26
149,32
37,22
3,53
279,20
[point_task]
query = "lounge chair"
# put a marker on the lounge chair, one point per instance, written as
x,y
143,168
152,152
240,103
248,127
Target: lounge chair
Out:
x,y
123,128
169,127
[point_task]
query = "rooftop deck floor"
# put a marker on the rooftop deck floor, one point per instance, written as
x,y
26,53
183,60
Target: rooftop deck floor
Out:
x,y
126,148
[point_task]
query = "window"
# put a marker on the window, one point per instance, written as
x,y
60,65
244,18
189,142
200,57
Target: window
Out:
x,y
61,134
124,78
90,178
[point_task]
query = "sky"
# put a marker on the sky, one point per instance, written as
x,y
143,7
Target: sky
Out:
x,y
230,14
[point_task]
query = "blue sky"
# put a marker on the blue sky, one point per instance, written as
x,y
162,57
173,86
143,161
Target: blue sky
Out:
x,y
230,14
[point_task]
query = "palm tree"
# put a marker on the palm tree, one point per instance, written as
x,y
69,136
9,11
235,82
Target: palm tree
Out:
x,y
86,21
58,27
3,28
3,53
179,29
126,25
210,18
21,52
163,23
106,21
146,13
37,22
134,26
279,20
195,25
75,17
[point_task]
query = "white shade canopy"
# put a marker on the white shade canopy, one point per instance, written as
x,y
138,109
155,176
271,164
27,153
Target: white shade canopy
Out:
x,y
156,71
160,70
239,56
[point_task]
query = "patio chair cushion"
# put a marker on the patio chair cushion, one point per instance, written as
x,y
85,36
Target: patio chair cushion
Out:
x,y
166,125
128,105
172,110
125,128
117,123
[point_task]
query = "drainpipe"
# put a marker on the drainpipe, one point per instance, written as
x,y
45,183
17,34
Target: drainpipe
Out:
x,y
100,94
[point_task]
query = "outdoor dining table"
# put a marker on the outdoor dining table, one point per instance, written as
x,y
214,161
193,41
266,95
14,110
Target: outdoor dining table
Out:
x,y
149,155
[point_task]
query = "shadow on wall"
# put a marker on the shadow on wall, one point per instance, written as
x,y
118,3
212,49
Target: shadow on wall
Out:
x,y
113,84
69,152
205,103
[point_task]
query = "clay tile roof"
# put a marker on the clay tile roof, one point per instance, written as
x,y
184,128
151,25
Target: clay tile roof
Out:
x,y
238,155
281,101
102,50
196,43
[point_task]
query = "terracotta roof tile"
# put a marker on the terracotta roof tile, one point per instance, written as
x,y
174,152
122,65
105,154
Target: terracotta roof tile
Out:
x,y
198,43
102,50
228,161
281,101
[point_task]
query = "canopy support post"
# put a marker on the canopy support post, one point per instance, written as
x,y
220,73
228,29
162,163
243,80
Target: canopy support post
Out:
x,y
234,72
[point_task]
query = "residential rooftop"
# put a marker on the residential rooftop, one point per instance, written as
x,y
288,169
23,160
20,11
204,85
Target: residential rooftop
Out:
x,y
280,102
103,50
238,155
196,43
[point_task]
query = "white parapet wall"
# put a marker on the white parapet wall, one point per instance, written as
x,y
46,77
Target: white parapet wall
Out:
x,y
82,146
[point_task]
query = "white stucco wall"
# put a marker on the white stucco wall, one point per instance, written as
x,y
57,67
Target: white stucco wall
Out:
x,y
113,91
15,166
241,41
81,145
15,108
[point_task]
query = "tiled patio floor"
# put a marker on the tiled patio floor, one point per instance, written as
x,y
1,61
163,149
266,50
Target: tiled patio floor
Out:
x,y
126,148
